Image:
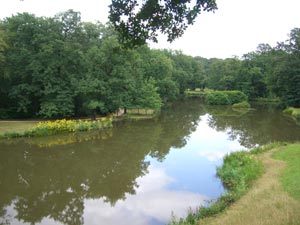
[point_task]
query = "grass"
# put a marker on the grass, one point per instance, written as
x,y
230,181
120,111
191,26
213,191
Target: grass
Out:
x,y
290,177
47,128
272,199
197,93
16,126
266,202
237,173
243,105
266,100
140,111
294,113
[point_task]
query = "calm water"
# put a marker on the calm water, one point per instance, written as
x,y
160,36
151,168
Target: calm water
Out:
x,y
137,173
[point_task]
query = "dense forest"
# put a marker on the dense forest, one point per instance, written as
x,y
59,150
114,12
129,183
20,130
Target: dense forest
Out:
x,y
63,67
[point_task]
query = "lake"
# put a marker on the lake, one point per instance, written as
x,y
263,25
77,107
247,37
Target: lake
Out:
x,y
137,173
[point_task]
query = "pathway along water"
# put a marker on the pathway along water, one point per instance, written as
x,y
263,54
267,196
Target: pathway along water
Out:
x,y
136,173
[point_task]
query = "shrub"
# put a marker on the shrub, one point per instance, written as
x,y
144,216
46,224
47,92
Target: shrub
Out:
x,y
225,97
217,98
236,96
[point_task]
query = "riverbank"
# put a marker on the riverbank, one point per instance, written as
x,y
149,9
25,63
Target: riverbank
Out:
x,y
21,126
274,198
267,202
294,113
48,128
16,126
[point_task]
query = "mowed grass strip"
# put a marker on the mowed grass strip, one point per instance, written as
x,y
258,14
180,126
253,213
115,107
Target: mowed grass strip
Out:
x,y
267,202
290,177
16,126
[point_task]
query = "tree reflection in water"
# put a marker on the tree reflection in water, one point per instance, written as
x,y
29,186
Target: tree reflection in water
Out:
x,y
43,180
51,178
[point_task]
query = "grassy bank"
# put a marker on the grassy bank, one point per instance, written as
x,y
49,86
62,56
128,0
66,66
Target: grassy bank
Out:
x,y
294,113
16,126
273,199
12,129
140,114
237,173
212,97
47,128
290,177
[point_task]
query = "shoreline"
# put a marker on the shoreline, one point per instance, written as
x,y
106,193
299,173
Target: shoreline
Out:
x,y
266,198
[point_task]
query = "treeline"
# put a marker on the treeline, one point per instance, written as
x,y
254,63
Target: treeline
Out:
x,y
268,72
63,67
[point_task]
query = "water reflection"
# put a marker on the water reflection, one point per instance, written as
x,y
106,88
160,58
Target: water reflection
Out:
x,y
53,182
152,204
135,173
262,125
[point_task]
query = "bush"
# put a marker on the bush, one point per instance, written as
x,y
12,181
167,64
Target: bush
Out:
x,y
243,104
236,96
217,98
225,97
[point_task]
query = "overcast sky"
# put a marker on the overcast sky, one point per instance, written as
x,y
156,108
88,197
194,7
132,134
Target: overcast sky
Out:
x,y
237,27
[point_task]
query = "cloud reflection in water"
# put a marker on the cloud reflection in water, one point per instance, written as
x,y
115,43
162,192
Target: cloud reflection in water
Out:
x,y
152,204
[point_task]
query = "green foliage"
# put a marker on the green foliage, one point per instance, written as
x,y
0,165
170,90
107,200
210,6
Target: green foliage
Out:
x,y
294,112
290,176
147,96
239,170
217,98
224,97
284,79
61,126
236,96
11,134
243,104
196,93
265,148
138,21
61,67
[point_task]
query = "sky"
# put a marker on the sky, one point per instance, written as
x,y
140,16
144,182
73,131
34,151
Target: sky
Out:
x,y
236,28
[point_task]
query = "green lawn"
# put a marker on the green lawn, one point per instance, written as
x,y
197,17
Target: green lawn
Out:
x,y
290,177
18,126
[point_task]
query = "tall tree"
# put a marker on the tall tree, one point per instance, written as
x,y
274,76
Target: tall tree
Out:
x,y
287,72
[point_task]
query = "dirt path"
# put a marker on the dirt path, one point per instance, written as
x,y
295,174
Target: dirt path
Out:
x,y
265,204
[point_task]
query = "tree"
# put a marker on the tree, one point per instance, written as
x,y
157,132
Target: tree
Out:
x,y
3,76
147,96
141,20
285,78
